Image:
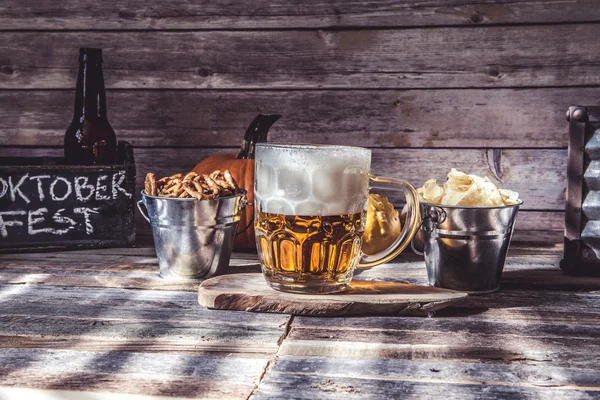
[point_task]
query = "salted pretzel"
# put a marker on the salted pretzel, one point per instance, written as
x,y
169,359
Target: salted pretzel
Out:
x,y
192,185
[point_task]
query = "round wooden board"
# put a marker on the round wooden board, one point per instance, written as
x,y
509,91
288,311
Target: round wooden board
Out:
x,y
250,292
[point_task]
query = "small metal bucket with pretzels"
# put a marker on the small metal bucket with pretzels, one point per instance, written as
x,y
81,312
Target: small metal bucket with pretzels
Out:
x,y
193,234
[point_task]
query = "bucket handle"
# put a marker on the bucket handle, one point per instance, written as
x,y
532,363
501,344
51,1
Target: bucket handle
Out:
x,y
139,205
412,242
247,204
435,215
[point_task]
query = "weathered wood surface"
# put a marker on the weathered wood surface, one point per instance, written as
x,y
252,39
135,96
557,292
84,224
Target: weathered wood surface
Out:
x,y
529,267
169,375
339,71
536,337
341,386
516,167
514,343
502,118
17,393
187,14
510,56
250,292
130,341
539,175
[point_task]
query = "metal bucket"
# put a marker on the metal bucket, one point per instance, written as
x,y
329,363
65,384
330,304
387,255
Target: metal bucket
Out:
x,y
465,247
193,238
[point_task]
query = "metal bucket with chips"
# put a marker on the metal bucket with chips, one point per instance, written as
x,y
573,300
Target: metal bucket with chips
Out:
x,y
465,247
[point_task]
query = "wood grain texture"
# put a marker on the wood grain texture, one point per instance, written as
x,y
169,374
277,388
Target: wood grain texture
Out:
x,y
186,14
120,304
501,118
18,393
530,340
509,56
539,175
527,268
250,292
276,386
131,321
172,375
546,340
129,341
438,371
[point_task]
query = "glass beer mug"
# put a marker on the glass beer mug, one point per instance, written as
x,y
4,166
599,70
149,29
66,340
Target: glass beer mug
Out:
x,y
310,213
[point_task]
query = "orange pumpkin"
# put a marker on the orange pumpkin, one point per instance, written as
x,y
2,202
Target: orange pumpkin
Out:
x,y
241,166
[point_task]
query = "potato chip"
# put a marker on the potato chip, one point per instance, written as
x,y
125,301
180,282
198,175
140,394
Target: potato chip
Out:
x,y
509,197
468,191
431,192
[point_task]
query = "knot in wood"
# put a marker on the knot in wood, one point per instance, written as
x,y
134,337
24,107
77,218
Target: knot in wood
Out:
x,y
476,17
7,69
494,72
205,72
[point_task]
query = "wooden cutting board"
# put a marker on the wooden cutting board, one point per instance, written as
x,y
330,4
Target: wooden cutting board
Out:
x,y
250,292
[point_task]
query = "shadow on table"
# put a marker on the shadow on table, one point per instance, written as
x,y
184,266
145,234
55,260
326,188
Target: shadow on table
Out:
x,y
128,341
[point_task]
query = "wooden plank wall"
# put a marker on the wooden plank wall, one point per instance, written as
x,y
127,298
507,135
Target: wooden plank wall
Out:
x,y
428,84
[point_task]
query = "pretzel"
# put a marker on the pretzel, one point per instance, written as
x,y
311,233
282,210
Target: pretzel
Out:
x,y
212,185
229,178
192,185
150,184
192,192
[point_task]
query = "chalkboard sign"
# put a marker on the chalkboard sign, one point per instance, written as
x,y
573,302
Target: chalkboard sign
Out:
x,y
46,204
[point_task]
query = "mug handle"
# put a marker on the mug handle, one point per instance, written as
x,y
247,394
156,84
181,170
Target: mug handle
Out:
x,y
411,225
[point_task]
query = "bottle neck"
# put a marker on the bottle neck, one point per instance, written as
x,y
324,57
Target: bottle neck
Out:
x,y
90,97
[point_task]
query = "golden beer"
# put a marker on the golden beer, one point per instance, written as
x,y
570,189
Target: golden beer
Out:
x,y
310,204
314,251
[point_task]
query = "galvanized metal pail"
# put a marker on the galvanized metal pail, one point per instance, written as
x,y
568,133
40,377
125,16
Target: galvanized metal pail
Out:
x,y
465,247
193,238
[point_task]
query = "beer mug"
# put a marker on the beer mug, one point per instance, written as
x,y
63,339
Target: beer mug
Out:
x,y
310,213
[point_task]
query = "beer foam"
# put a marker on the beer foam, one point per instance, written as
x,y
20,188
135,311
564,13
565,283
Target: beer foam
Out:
x,y
311,180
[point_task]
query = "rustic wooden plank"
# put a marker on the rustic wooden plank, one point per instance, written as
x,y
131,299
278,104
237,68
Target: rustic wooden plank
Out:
x,y
186,14
18,393
200,347
437,372
130,321
140,276
454,346
500,118
149,374
121,258
97,333
277,386
128,255
421,345
521,351
120,304
539,175
555,343
537,236
526,268
407,330
511,56
517,306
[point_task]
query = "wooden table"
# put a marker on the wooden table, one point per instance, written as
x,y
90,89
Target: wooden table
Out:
x,y
101,321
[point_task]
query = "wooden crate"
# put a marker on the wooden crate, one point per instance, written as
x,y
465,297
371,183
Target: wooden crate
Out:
x,y
46,204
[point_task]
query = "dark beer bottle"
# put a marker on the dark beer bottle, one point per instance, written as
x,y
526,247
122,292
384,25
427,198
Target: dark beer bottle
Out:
x,y
90,139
